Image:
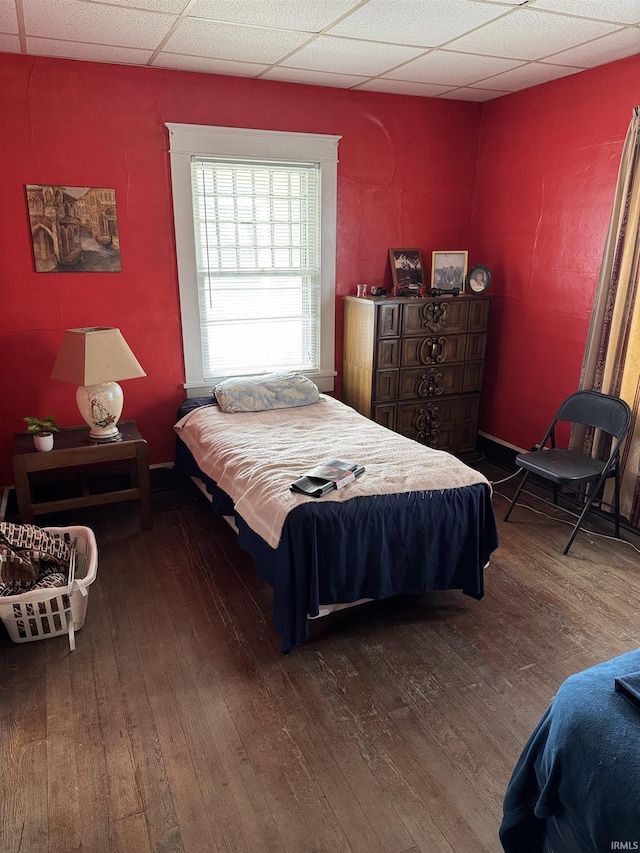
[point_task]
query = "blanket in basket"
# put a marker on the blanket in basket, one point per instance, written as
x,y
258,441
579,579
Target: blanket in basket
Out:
x,y
31,558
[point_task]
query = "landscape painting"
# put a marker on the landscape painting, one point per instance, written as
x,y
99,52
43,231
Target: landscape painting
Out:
x,y
74,229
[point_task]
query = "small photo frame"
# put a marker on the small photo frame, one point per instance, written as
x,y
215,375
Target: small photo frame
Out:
x,y
449,270
478,279
406,270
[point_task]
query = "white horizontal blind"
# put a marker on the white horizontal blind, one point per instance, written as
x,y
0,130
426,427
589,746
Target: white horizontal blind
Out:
x,y
257,241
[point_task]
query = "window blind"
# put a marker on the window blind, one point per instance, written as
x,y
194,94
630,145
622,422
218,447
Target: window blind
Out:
x,y
257,240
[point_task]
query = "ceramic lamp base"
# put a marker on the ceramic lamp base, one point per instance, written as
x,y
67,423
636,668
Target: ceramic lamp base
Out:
x,y
101,407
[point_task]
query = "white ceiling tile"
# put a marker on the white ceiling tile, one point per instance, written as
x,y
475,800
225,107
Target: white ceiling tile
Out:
x,y
607,49
347,56
404,87
479,95
620,11
418,22
314,78
87,52
174,7
307,15
231,41
463,49
9,43
209,66
452,69
95,23
531,74
8,17
527,34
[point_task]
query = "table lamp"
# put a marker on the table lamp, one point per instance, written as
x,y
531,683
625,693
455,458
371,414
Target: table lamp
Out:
x,y
96,359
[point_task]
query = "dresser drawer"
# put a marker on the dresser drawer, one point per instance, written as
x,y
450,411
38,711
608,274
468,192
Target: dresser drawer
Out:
x,y
388,320
478,315
431,382
388,353
431,422
473,371
476,346
434,349
448,315
385,415
385,386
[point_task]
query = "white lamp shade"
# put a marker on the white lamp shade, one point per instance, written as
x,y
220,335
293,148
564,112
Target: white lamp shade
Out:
x,y
90,356
95,359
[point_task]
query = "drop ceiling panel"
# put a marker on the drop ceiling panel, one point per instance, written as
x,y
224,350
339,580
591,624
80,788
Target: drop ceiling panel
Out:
x,y
462,49
452,69
174,7
95,23
347,56
232,41
531,74
615,46
527,34
416,22
80,50
205,65
319,78
8,18
307,15
620,11
9,43
404,87
474,94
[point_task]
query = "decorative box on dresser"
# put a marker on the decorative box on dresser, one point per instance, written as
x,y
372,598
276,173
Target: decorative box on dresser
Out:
x,y
415,365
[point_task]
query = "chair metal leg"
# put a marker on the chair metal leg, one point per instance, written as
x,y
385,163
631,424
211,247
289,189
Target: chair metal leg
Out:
x,y
517,494
616,504
594,494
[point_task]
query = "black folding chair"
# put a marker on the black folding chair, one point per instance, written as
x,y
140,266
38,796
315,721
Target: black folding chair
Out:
x,y
575,470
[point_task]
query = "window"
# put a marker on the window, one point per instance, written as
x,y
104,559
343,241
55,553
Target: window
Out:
x,y
255,215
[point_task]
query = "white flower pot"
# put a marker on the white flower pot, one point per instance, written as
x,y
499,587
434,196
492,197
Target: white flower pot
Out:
x,y
44,441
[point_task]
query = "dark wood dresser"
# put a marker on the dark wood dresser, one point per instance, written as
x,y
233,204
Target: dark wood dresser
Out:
x,y
415,365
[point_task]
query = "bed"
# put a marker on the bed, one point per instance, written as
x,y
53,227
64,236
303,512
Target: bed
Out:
x,y
576,786
417,520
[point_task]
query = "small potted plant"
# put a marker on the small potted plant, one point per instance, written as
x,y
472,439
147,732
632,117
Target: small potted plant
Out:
x,y
43,430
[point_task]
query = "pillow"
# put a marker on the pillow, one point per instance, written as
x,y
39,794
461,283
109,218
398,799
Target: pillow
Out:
x,y
268,391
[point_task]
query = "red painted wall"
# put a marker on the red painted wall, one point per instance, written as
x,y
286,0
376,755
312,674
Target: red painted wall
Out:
x,y
546,177
405,178
525,181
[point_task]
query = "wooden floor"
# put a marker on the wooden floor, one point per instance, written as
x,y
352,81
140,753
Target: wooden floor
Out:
x,y
177,725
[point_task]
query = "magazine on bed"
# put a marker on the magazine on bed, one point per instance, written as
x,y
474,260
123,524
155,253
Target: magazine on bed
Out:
x,y
334,474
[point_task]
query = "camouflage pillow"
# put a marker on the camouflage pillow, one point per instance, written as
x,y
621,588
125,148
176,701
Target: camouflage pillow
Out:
x,y
269,391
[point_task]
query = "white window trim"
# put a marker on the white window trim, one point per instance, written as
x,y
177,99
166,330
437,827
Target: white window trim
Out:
x,y
186,140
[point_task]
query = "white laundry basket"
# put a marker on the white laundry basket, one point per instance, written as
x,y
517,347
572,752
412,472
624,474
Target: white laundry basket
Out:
x,y
58,610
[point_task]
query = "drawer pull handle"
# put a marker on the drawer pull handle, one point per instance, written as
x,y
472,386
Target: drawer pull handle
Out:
x,y
433,315
427,425
431,384
433,351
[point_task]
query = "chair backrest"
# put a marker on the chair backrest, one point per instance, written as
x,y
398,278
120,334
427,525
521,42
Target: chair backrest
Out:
x,y
609,414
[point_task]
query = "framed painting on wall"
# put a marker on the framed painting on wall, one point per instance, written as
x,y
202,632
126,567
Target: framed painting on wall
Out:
x,y
449,270
74,229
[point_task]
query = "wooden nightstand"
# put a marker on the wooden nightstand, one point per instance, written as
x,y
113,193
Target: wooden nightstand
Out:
x,y
72,449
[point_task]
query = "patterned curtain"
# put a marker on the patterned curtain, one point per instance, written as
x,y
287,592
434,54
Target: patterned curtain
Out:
x,y
612,356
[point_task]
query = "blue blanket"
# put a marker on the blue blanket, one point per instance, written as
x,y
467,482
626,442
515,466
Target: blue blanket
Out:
x,y
581,765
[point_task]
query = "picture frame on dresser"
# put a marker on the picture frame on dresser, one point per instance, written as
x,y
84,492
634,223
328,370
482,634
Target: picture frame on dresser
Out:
x,y
449,270
407,271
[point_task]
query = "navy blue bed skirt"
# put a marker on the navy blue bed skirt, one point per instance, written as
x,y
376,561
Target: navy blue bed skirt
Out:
x,y
369,547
